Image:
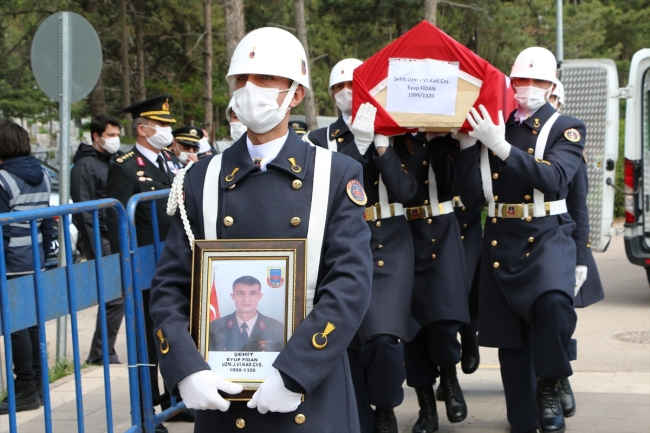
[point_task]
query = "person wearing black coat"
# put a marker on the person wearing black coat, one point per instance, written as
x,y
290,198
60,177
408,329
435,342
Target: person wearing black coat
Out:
x,y
88,182
147,167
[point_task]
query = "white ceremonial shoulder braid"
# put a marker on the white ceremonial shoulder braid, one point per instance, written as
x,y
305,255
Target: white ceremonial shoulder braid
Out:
x,y
176,200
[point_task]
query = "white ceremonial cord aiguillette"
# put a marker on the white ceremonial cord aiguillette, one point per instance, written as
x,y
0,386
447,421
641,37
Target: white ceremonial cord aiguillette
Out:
x,y
176,201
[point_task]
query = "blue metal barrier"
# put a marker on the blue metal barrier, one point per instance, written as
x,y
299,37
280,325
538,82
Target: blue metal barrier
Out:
x,y
54,294
143,271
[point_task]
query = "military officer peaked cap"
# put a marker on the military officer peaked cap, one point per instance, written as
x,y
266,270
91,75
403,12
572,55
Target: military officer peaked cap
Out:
x,y
188,135
299,126
156,108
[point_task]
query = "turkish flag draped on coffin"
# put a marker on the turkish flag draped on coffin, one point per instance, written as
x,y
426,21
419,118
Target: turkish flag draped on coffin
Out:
x,y
425,41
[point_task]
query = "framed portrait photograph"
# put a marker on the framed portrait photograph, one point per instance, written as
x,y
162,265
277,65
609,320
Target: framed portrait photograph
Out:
x,y
247,298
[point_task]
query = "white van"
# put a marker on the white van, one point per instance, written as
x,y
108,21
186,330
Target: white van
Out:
x,y
593,95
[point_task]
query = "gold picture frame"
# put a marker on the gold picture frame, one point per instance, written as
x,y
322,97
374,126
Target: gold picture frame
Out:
x,y
247,299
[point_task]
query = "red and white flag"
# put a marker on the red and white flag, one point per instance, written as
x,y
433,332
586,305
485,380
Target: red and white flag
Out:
x,y
214,303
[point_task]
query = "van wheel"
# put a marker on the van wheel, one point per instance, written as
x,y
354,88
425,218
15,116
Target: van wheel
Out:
x,y
647,272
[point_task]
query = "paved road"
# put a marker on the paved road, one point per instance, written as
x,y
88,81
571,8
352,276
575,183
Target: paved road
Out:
x,y
611,381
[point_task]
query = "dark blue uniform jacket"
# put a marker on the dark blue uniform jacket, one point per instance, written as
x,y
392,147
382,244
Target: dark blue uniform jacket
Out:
x,y
262,205
439,286
521,260
390,243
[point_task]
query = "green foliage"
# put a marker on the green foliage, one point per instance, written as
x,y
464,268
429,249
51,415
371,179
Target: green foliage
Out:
x,y
172,36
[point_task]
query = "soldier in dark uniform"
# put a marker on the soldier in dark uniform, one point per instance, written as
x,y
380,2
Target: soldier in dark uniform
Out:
x,y
147,167
589,288
523,168
440,289
186,144
272,185
376,354
246,329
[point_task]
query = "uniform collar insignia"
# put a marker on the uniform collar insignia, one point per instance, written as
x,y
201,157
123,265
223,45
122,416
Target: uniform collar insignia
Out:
x,y
540,117
292,158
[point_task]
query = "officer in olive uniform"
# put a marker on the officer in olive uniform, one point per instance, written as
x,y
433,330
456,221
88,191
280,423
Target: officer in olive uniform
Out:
x,y
147,167
376,355
271,185
523,167
440,289
266,336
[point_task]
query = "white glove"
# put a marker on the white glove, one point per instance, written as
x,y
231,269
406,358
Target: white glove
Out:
x,y
493,136
273,396
464,139
363,126
581,277
381,140
200,391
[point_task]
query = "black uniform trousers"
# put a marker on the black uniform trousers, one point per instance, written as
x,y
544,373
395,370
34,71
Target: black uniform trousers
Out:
x,y
114,315
435,345
377,370
469,330
545,351
25,346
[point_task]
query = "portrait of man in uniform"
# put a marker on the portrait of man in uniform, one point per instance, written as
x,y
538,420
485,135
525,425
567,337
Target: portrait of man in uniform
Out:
x,y
246,329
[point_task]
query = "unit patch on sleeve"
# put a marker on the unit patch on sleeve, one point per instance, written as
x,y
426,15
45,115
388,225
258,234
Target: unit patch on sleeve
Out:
x,y
356,193
572,135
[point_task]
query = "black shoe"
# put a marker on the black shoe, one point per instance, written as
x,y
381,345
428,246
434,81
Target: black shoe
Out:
x,y
567,399
551,419
39,388
159,429
26,398
385,421
453,395
470,358
439,395
428,415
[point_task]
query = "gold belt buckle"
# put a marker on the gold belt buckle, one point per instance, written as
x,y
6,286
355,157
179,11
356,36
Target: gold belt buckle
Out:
x,y
369,214
414,213
512,210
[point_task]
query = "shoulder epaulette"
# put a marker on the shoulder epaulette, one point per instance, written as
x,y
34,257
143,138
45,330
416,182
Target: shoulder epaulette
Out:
x,y
124,157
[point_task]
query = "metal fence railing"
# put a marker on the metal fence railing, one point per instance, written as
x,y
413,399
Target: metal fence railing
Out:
x,y
31,300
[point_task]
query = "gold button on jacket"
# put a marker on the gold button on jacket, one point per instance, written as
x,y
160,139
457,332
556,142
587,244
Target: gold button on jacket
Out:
x,y
240,423
300,419
380,263
296,184
228,221
295,221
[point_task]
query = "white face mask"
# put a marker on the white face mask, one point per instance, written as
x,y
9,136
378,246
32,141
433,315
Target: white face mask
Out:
x,y
110,144
257,107
183,157
531,98
162,138
237,129
344,101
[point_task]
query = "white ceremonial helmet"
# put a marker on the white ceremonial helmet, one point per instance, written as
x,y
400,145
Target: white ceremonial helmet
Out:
x,y
342,72
270,51
559,92
229,108
537,63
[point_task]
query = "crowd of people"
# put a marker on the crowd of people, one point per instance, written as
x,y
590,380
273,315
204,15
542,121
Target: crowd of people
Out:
x,y
406,275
